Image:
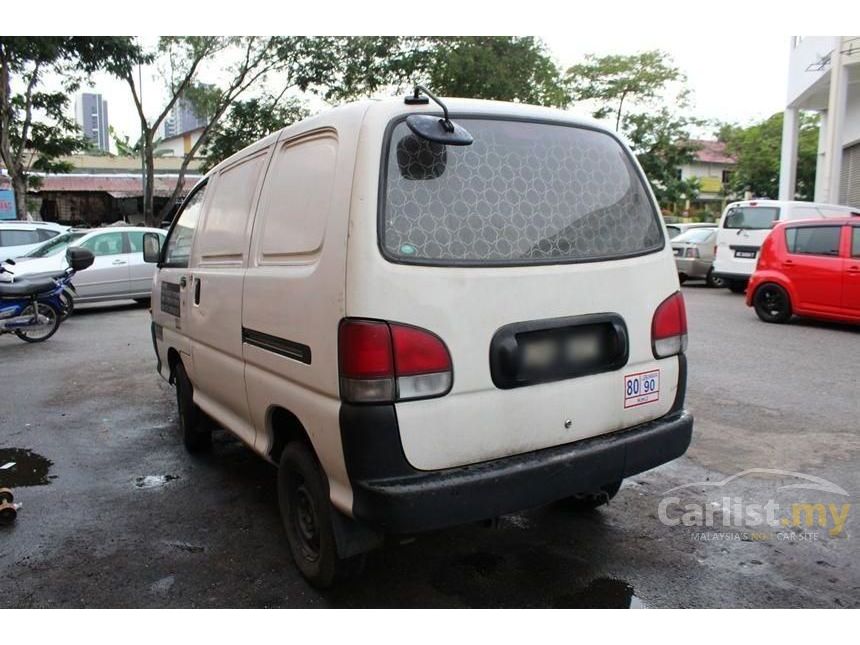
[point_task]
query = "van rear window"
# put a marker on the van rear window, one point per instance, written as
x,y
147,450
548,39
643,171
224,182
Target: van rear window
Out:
x,y
751,217
522,193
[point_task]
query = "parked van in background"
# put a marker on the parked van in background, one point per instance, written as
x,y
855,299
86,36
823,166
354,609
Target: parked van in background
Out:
x,y
745,225
423,320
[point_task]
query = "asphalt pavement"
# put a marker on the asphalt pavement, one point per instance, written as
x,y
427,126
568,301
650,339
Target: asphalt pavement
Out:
x,y
116,514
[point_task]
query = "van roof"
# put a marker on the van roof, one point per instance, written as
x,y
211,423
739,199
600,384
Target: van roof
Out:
x,y
389,108
786,202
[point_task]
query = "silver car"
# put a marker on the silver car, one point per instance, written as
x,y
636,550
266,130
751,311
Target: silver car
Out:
x,y
694,255
117,273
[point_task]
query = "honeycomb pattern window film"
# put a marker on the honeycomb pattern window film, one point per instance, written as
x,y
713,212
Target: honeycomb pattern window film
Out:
x,y
522,193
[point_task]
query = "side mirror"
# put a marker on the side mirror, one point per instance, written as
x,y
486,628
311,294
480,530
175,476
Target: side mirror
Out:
x,y
151,248
79,258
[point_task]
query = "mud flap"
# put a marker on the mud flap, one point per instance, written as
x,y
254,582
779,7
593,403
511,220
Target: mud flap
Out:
x,y
352,537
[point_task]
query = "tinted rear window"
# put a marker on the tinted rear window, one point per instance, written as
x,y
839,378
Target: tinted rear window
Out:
x,y
522,193
754,217
813,240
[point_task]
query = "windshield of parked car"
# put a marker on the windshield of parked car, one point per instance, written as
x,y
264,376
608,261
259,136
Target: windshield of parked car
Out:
x,y
57,245
522,193
695,235
754,217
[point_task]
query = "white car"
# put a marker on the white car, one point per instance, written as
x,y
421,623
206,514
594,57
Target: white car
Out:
x,y
18,238
678,228
425,322
744,226
117,273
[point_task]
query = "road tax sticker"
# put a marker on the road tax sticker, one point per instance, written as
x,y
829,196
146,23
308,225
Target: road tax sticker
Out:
x,y
641,388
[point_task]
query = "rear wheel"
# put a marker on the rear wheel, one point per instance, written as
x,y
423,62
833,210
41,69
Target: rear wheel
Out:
x,y
306,512
68,304
47,323
713,281
682,278
737,286
772,303
590,501
196,432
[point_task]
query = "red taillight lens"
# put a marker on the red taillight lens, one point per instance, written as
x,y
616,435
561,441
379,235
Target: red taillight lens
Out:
x,y
385,362
669,327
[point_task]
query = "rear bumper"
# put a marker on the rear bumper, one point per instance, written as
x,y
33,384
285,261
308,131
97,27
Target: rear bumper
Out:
x,y
738,277
389,494
693,267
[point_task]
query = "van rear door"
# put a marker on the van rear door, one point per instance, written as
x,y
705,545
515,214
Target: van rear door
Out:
x,y
538,256
743,229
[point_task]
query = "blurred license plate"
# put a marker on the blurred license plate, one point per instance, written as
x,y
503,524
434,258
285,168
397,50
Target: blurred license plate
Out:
x,y
641,388
745,254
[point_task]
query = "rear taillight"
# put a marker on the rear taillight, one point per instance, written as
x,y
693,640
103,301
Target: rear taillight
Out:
x,y
691,252
669,327
383,362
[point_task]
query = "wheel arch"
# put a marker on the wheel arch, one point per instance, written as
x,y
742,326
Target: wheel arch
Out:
x,y
283,427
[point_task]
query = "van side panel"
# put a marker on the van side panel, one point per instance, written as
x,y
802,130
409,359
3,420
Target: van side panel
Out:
x,y
294,293
215,294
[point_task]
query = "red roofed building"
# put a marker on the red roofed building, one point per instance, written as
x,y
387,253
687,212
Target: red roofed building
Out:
x,y
712,166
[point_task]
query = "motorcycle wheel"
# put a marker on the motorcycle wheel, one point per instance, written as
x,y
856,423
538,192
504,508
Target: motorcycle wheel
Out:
x,y
39,333
68,305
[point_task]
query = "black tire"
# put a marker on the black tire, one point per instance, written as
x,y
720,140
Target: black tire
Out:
x,y
682,278
193,424
737,286
590,501
713,281
52,324
306,512
68,302
772,303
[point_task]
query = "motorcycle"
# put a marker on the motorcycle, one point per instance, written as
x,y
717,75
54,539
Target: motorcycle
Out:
x,y
33,309
68,295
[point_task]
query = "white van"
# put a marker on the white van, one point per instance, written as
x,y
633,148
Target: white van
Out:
x,y
421,332
745,225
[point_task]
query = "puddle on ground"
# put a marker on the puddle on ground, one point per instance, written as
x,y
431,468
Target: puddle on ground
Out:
x,y
154,481
603,593
29,469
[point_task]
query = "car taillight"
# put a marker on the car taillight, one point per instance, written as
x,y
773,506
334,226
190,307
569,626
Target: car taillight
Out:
x,y
669,327
691,252
383,362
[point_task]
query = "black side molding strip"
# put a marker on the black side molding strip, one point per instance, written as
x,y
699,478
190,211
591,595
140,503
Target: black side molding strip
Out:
x,y
282,346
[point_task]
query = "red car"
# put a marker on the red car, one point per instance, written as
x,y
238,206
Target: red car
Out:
x,y
809,268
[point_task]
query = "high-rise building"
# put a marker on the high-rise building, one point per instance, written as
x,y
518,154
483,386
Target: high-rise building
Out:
x,y
181,118
91,114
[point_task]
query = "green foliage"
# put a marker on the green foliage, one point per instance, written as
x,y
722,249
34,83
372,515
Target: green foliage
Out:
x,y
248,121
641,79
758,147
662,145
502,68
35,130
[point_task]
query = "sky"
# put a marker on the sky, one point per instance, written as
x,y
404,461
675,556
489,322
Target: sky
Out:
x,y
736,82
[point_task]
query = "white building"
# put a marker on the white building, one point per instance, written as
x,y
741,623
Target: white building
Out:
x,y
824,76
181,144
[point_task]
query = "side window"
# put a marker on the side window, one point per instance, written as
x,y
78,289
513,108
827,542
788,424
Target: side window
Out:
x,y
855,242
295,201
104,244
46,234
813,240
223,233
18,238
177,249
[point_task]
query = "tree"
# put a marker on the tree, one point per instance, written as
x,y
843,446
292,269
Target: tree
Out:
x,y
662,145
35,131
248,121
610,80
502,68
244,61
757,148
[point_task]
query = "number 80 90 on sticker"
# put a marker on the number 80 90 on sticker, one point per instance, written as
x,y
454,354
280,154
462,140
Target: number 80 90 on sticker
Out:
x,y
641,388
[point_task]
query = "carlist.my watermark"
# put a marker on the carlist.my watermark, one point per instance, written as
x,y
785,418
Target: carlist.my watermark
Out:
x,y
798,507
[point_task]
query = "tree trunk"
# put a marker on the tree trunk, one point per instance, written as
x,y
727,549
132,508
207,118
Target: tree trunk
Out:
x,y
149,189
19,187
